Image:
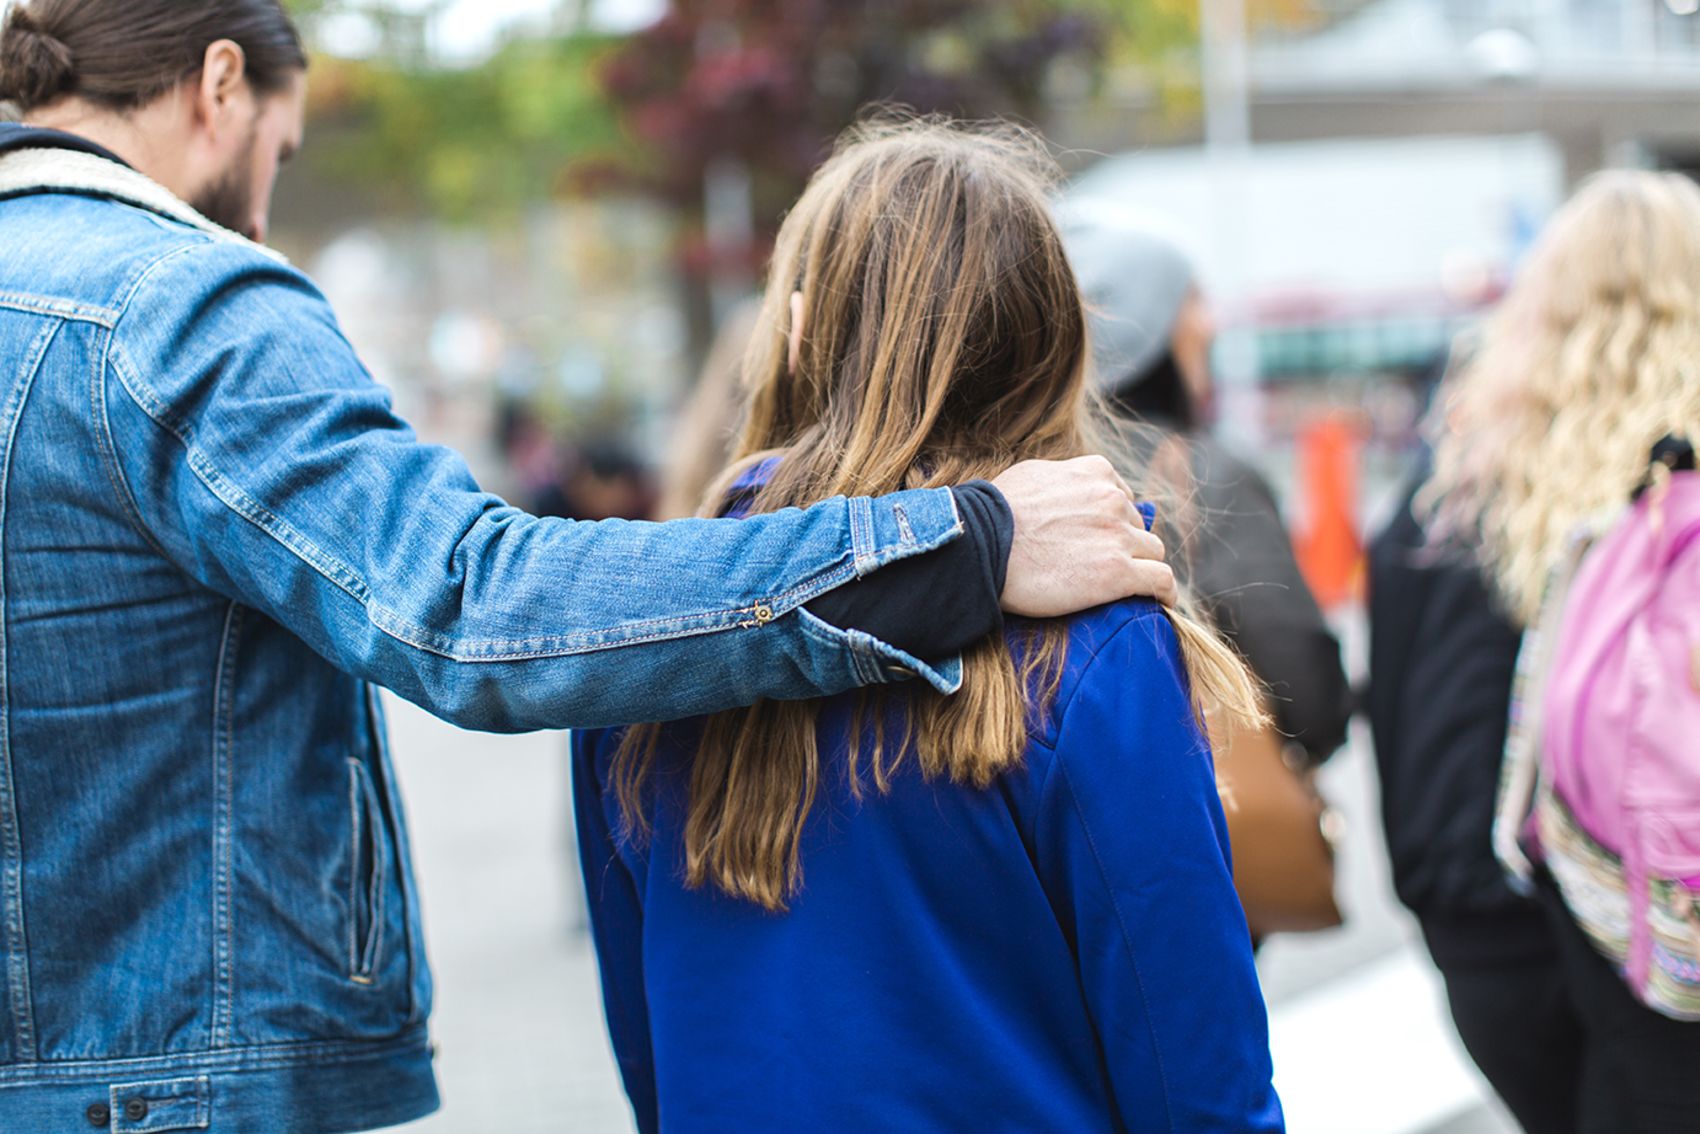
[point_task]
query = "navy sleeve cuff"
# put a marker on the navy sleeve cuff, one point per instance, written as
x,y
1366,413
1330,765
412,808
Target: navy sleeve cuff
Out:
x,y
935,605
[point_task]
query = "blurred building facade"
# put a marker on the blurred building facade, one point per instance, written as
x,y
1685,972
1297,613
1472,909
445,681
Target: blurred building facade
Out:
x,y
1394,160
1611,82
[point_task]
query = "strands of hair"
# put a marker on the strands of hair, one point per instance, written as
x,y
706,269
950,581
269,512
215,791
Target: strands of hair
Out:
x,y
122,54
1591,359
943,339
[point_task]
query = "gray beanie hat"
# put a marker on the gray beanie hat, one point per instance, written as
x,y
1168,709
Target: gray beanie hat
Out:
x,y
1135,280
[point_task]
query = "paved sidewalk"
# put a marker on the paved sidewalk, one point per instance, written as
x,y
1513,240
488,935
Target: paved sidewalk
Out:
x,y
521,1048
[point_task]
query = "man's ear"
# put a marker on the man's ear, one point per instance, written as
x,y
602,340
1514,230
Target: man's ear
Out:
x,y
223,83
795,358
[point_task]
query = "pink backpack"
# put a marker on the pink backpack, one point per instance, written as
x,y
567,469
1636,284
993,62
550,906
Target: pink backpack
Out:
x,y
1602,771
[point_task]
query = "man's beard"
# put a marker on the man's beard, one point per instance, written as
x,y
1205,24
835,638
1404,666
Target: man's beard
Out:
x,y
229,200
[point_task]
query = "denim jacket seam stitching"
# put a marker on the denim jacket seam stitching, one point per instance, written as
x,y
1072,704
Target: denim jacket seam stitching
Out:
x,y
476,650
59,308
393,623
355,814
887,554
201,1122
224,975
396,830
389,621
362,807
804,593
872,662
154,406
147,271
877,667
19,992
377,889
156,1123
156,1084
862,534
235,1060
237,499
107,442
859,663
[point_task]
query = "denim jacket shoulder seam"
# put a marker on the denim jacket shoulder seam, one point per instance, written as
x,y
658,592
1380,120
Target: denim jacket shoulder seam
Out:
x,y
226,491
127,295
108,445
58,307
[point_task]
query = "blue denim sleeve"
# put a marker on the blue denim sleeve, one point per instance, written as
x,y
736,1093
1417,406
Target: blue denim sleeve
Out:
x,y
255,452
616,923
1132,848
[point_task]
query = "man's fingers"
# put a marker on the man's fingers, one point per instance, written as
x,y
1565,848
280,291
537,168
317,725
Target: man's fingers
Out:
x,y
1154,579
1100,465
1080,540
1144,544
1123,485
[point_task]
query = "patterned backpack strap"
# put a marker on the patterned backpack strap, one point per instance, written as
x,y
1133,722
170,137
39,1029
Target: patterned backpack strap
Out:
x,y
1519,771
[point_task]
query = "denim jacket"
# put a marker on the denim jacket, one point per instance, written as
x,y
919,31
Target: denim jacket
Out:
x,y
216,539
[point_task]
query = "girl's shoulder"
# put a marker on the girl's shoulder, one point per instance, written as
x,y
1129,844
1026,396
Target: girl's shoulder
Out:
x,y
1111,649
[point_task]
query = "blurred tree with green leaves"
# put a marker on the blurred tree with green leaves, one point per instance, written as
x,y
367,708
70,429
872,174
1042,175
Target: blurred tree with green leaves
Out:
x,y
719,111
467,143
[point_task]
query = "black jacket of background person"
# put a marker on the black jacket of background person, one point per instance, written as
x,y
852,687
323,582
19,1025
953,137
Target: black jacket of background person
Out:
x,y
1239,562
1442,657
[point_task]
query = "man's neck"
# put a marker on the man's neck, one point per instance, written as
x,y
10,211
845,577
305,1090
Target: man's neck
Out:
x,y
141,138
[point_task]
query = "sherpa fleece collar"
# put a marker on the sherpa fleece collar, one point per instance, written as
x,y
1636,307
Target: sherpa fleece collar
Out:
x,y
23,172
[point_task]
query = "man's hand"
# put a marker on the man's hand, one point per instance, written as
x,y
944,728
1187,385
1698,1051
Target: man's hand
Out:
x,y
1079,540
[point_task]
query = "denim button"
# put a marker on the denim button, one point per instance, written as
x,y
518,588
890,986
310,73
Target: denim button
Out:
x,y
136,1109
98,1114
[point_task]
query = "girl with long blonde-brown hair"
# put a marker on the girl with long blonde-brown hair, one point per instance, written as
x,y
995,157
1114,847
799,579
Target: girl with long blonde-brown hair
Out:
x,y
1006,908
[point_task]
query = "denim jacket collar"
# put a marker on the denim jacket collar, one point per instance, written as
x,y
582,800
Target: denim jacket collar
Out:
x,y
23,172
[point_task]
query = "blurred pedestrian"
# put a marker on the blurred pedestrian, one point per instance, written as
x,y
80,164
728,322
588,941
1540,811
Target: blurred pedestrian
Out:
x,y
1013,911
1546,425
1152,340
598,479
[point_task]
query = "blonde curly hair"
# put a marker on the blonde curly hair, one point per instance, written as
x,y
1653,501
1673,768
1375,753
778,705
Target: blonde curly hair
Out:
x,y
1593,356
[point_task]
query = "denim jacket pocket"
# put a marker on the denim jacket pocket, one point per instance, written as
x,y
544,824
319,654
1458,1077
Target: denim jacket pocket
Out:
x,y
368,855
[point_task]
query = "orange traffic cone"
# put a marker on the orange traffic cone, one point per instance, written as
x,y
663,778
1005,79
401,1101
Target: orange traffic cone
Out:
x,y
1330,550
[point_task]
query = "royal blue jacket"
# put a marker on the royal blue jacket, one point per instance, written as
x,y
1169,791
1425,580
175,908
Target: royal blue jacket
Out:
x,y
1061,952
